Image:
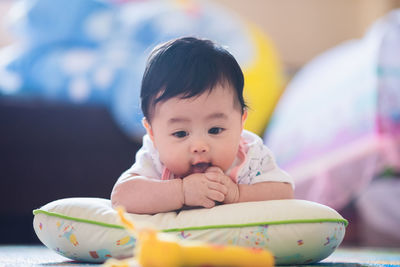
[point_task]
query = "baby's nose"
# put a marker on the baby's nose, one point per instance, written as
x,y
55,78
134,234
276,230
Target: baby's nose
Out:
x,y
200,147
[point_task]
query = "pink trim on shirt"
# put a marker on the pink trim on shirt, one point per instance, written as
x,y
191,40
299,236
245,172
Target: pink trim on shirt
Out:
x,y
166,174
242,156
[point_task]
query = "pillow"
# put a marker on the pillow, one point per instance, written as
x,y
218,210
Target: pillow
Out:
x,y
295,231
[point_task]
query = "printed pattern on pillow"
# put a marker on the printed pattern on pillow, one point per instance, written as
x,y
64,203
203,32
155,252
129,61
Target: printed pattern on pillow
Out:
x,y
291,242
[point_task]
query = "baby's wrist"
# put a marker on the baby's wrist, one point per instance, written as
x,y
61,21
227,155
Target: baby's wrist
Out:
x,y
234,195
182,192
237,194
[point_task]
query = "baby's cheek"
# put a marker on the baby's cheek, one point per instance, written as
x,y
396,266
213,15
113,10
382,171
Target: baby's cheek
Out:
x,y
227,160
176,164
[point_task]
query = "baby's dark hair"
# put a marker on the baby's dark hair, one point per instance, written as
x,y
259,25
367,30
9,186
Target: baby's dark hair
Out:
x,y
188,67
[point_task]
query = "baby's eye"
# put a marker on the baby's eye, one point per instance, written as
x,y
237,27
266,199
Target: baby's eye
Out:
x,y
180,134
215,130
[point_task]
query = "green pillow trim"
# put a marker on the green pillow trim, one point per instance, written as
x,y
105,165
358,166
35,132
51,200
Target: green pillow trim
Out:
x,y
345,222
54,214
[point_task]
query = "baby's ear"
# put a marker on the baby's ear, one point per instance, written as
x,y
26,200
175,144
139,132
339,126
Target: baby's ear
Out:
x,y
244,117
149,130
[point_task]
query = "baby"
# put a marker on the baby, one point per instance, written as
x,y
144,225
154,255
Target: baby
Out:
x,y
196,152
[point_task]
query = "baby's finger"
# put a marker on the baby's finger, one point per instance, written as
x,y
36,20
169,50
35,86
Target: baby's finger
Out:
x,y
215,195
214,177
214,169
218,178
218,187
208,203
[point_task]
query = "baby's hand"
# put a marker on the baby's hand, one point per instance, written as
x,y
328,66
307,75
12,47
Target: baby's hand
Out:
x,y
198,190
215,174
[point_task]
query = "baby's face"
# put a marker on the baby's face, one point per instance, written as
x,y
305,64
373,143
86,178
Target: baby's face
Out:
x,y
196,133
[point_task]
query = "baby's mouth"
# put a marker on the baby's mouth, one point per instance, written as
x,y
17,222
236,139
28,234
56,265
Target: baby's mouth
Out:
x,y
200,167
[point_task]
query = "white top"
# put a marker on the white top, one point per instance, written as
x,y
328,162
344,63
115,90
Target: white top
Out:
x,y
253,164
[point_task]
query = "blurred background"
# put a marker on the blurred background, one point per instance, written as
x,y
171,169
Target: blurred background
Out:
x,y
322,80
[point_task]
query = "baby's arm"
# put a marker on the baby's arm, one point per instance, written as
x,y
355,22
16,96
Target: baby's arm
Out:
x,y
265,191
141,195
149,196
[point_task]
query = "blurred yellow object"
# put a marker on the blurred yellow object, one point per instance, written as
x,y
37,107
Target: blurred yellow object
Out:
x,y
164,250
123,241
73,240
264,82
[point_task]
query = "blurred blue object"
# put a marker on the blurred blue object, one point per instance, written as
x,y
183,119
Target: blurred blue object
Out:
x,y
51,21
94,52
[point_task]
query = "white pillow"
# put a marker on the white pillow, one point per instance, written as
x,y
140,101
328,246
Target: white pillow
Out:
x,y
295,231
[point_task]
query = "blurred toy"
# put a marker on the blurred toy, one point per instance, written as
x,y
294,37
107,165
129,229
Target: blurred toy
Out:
x,y
164,250
264,81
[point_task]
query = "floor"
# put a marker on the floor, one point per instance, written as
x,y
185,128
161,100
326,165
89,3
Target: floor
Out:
x,y
36,255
